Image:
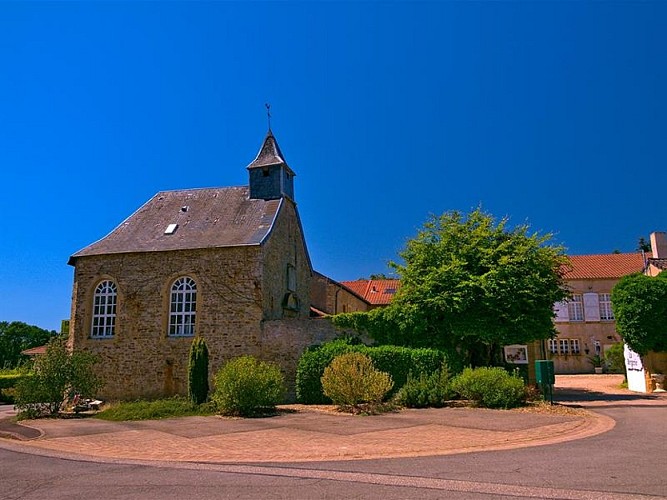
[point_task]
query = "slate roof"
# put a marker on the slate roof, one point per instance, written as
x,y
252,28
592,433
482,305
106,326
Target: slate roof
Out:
x,y
269,154
205,218
375,292
611,265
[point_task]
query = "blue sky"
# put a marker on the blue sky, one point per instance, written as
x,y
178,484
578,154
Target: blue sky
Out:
x,y
551,113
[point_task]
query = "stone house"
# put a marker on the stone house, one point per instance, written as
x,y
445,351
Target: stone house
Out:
x,y
585,323
228,264
331,297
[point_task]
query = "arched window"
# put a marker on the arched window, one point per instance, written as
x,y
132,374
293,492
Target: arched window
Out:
x,y
183,305
104,310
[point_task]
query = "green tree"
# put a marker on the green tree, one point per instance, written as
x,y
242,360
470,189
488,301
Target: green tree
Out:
x,y
198,371
639,303
58,376
247,386
18,336
472,284
643,245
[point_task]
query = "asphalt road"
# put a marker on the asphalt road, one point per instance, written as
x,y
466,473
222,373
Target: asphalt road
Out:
x,y
628,462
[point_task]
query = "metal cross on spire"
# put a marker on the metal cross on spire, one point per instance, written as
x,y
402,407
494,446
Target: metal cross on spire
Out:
x,y
268,114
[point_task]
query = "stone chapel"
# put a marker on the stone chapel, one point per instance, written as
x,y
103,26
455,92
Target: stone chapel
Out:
x,y
228,264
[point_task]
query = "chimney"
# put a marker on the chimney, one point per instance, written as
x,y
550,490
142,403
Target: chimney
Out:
x,y
659,244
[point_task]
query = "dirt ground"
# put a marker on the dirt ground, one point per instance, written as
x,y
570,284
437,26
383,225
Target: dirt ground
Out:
x,y
607,383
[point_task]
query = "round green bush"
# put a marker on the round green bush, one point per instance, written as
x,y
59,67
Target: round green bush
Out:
x,y
246,387
426,390
490,387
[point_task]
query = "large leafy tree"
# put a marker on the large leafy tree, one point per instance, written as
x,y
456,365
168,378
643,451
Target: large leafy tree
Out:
x,y
470,283
18,336
640,308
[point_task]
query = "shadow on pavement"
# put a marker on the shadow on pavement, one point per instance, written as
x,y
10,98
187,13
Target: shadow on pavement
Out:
x,y
574,395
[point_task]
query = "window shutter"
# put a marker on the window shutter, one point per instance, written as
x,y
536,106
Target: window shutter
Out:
x,y
561,311
591,307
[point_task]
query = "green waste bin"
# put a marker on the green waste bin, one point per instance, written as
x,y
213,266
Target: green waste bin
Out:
x,y
544,372
545,377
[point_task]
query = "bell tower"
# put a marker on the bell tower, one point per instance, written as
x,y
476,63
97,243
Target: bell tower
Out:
x,y
270,176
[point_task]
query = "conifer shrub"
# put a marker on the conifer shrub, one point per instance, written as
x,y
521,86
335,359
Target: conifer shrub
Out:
x,y
490,387
351,380
246,387
426,389
198,371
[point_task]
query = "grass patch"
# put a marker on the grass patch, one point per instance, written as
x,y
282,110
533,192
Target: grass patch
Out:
x,y
154,410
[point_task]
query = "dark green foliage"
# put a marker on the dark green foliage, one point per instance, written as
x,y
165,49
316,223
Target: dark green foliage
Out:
x,y
640,308
246,387
12,380
470,284
9,379
397,361
18,336
490,387
426,390
614,358
58,375
198,371
351,380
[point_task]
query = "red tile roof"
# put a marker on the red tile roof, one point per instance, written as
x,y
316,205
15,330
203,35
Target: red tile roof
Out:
x,y
610,265
35,351
602,266
375,292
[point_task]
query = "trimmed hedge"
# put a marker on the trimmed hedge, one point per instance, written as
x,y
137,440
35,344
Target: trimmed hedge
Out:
x,y
9,381
394,360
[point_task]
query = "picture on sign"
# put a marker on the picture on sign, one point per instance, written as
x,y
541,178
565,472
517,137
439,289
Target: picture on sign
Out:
x,y
516,354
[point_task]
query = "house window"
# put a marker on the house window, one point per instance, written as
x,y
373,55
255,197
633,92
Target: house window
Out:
x,y
574,346
575,307
606,314
104,310
564,347
553,346
183,306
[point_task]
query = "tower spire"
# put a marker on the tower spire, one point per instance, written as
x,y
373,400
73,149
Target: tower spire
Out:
x,y
268,114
